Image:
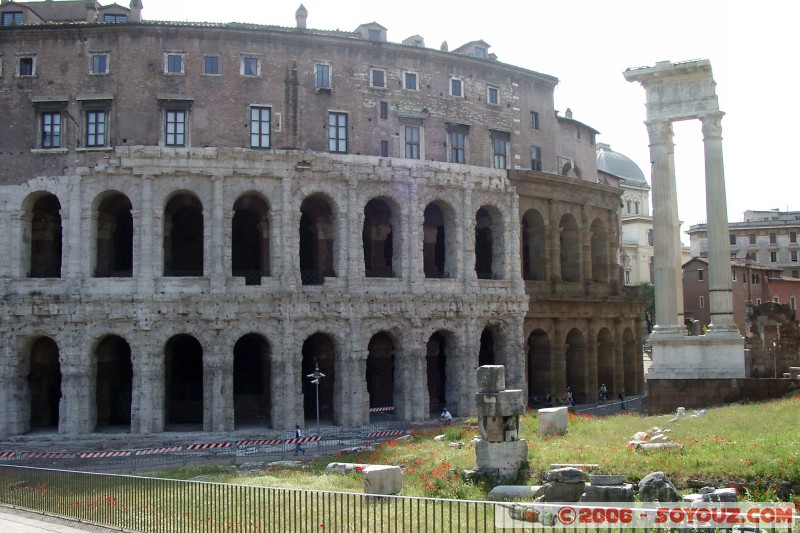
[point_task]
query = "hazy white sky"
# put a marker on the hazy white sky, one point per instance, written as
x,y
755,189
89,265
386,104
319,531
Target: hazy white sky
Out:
x,y
587,45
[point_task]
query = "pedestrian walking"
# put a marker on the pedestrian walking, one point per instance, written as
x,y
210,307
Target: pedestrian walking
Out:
x,y
297,448
621,397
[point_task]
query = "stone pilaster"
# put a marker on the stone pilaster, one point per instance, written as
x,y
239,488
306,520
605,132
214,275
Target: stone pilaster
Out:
x,y
585,247
215,270
558,360
619,358
465,240
554,241
20,256
71,229
590,381
147,413
145,258
289,265
77,407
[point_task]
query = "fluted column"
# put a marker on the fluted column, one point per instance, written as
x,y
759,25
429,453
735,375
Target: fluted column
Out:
x,y
719,270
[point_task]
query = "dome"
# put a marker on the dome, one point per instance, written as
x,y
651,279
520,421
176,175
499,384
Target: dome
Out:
x,y
619,165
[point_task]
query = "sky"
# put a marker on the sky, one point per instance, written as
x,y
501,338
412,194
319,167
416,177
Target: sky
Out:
x,y
587,45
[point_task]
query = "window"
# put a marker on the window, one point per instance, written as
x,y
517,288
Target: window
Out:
x,y
578,132
410,81
322,76
534,120
98,63
758,301
629,206
260,126
173,63
627,277
756,279
499,149
773,257
650,237
384,110
796,274
776,300
337,132
733,275
457,138
12,18
456,87
51,129
115,18
700,275
792,237
378,77
702,302
492,95
752,238
26,66
374,35
793,255
636,206
250,66
733,255
732,239
412,142
175,132
793,303
384,148
773,238
95,128
536,158
211,65
479,52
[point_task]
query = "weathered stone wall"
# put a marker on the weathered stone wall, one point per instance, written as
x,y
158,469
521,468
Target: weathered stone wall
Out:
x,y
666,395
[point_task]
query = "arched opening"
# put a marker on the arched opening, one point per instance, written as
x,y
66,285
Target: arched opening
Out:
x,y
576,365
250,239
114,238
486,355
599,252
318,348
605,359
380,370
46,238
436,247
436,364
44,383
316,240
378,240
540,374
184,380
114,388
570,245
251,381
534,263
629,361
483,244
183,236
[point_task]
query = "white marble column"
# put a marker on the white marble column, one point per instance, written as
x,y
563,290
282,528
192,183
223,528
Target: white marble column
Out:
x,y
719,270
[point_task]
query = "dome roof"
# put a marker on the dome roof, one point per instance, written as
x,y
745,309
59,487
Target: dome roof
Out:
x,y
619,165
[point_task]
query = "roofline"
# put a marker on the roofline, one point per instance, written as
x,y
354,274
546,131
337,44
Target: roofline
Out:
x,y
565,119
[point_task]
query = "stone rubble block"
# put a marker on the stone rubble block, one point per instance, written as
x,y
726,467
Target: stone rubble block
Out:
x,y
655,445
566,475
602,493
439,438
515,492
382,479
606,480
656,487
344,467
491,378
500,403
584,467
641,436
727,495
557,491
553,420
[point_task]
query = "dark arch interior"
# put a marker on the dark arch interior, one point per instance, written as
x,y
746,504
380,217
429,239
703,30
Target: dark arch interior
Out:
x,y
251,381
114,382
184,380
250,239
316,240
380,370
183,237
378,240
433,250
44,383
318,348
436,364
114,238
46,238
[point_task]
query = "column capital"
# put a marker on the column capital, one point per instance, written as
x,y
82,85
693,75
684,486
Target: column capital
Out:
x,y
659,131
712,125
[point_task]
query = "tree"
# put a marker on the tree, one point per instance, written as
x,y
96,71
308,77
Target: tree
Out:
x,y
649,293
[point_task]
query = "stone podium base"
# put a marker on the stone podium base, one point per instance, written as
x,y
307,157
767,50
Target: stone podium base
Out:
x,y
716,355
501,460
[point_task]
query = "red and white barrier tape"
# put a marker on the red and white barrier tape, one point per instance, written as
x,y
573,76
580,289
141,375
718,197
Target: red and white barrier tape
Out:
x,y
392,433
263,442
154,451
208,446
381,409
95,455
303,439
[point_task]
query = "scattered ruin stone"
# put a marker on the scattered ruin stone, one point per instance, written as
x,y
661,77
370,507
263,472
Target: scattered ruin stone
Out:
x,y
439,438
656,487
553,420
606,480
681,413
707,490
344,467
566,475
458,445
721,495
659,438
515,492
562,492
640,436
382,479
656,445
607,493
585,467
699,413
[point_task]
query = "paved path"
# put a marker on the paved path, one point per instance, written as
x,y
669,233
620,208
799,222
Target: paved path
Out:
x,y
19,521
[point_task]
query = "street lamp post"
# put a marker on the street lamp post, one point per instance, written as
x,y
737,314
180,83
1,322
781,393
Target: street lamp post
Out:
x,y
315,377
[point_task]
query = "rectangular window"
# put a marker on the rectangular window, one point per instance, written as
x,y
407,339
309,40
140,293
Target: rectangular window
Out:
x,y
260,126
384,148
534,120
578,132
337,132
493,95
758,301
773,257
322,76
175,128
412,142
410,81
752,238
536,158
793,255
479,52
792,237
650,237
732,239
115,18
95,128
374,35
51,129
26,66
793,303
733,275
455,87
458,141
378,77
773,238
776,300
756,279
211,65
699,275
702,302
499,147
251,66
98,64
12,18
173,63
796,274
384,110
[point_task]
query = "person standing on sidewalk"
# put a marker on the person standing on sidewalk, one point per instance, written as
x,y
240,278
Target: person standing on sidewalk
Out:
x,y
298,434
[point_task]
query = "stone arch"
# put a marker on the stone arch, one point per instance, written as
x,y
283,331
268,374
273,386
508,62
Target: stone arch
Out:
x,y
317,239
540,376
379,234
46,234
319,348
575,349
629,361
569,236
534,241
439,348
252,372
489,241
44,383
486,352
183,379
380,374
114,236
600,248
114,382
439,241
605,359
250,242
183,236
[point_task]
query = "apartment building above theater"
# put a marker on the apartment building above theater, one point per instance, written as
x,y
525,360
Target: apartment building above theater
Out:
x,y
49,11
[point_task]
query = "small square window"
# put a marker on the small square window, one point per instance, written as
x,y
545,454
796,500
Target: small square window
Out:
x,y
536,158
115,18
322,76
26,66
211,66
384,148
12,18
378,77
251,66
479,52
374,35
173,63
732,239
456,87
410,81
773,238
492,95
98,63
534,120
384,110
260,118
51,129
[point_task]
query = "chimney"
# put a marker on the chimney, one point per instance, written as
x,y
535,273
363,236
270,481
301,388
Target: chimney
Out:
x,y
568,113
301,15
136,11
444,47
